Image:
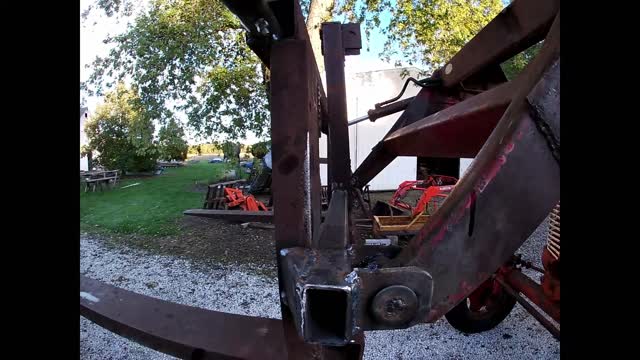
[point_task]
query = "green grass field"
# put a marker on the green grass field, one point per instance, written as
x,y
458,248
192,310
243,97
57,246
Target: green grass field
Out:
x,y
151,208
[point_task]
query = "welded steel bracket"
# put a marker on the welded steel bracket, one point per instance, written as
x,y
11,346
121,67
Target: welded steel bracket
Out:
x,y
331,301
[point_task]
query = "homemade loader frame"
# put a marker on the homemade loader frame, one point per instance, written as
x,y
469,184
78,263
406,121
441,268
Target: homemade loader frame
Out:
x,y
461,262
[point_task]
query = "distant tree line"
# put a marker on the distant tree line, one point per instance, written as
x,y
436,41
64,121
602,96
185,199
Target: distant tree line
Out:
x,y
257,150
122,136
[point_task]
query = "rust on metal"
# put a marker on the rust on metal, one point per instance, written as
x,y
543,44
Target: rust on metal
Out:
x,y
293,117
469,122
529,288
296,92
179,330
377,113
395,305
334,50
334,231
428,101
518,26
514,154
555,331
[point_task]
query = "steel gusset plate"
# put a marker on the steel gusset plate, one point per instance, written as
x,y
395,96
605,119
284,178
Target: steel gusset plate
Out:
x,y
509,189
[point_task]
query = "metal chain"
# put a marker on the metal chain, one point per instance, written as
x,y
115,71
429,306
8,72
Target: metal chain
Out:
x,y
545,130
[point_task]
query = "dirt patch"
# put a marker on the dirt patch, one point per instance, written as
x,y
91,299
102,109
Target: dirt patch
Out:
x,y
208,242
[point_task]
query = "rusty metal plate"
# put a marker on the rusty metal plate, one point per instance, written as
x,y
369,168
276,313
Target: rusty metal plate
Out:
x,y
518,26
183,331
457,131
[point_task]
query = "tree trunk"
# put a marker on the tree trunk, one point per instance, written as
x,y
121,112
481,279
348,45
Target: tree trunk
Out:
x,y
266,81
319,12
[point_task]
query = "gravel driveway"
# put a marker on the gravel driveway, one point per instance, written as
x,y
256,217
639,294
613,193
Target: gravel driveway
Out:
x,y
237,289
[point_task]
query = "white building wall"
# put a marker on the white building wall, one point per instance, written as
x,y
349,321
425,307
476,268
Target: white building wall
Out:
x,y
364,90
464,165
84,163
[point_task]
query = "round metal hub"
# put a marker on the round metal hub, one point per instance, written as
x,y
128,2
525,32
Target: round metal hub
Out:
x,y
395,305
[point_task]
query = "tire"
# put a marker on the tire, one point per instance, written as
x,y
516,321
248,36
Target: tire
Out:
x,y
492,305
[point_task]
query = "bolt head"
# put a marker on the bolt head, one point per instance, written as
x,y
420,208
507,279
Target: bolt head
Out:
x,y
395,305
448,69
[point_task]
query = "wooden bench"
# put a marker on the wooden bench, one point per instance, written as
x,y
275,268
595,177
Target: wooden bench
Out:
x,y
95,179
170,164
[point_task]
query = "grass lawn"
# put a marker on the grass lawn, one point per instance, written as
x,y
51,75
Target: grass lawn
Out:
x,y
151,208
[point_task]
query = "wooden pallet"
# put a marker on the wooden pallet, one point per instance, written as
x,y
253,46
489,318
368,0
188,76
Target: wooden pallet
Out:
x,y
398,225
215,198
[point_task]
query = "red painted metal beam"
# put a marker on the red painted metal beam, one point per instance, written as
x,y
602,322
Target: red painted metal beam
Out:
x,y
538,315
457,131
428,101
511,187
529,288
520,25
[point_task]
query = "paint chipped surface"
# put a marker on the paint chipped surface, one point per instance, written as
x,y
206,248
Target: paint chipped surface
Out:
x,y
88,296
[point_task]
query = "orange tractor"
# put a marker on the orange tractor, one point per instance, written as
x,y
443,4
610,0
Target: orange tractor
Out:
x,y
435,186
236,198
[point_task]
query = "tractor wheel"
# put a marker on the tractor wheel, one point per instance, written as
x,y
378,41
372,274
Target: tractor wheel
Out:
x,y
483,310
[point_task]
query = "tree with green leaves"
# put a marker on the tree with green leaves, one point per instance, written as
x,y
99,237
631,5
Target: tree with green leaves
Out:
x,y
516,64
231,150
120,132
260,149
171,142
191,55
430,32
427,32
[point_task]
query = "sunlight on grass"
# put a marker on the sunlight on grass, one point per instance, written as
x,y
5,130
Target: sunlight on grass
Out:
x,y
150,208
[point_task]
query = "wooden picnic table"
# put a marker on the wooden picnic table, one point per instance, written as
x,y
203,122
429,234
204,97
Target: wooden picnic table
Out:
x,y
95,179
170,164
